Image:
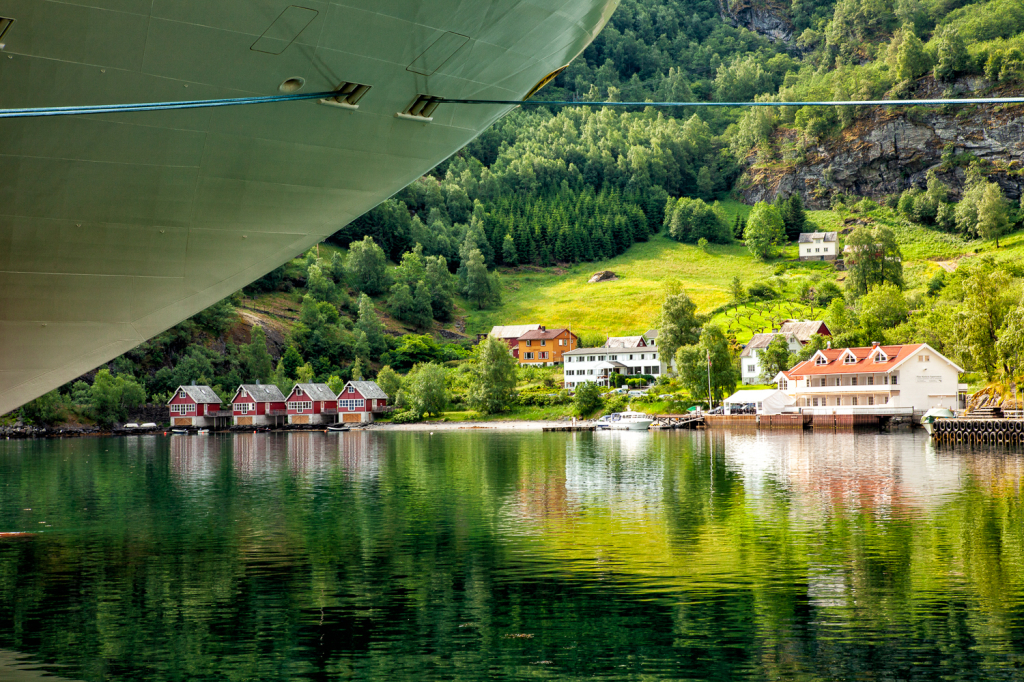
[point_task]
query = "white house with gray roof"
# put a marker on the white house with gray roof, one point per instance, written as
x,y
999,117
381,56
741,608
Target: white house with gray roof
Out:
x,y
818,245
598,364
750,357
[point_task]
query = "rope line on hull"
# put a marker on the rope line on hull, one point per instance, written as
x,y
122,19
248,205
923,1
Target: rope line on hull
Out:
x,y
273,99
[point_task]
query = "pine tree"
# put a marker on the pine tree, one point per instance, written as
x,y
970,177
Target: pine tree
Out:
x,y
370,325
509,254
258,364
423,313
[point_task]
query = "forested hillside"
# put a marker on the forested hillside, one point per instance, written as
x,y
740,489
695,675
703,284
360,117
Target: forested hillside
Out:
x,y
557,189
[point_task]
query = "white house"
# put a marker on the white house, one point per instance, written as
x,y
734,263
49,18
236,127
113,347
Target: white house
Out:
x,y
763,401
750,363
597,364
818,246
866,379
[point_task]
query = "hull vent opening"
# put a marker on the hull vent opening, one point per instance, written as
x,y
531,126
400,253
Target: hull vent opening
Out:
x,y
5,24
421,108
347,97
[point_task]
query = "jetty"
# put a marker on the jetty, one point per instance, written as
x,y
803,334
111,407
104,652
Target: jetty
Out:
x,y
984,426
571,428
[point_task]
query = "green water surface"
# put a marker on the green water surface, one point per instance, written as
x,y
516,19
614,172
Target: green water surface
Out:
x,y
476,555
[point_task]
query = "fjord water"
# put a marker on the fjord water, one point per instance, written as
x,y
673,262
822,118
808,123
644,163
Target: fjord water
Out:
x,y
487,555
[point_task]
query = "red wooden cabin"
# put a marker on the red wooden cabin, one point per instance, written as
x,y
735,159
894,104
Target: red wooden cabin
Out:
x,y
312,404
359,400
258,405
194,406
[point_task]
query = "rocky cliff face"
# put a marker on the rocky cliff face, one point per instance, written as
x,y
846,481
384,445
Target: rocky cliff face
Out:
x,y
890,151
769,22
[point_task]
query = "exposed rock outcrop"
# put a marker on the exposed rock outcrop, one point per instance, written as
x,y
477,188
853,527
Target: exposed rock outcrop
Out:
x,y
892,150
768,21
603,276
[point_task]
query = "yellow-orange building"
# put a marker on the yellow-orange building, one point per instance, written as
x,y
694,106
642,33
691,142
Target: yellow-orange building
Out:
x,y
545,346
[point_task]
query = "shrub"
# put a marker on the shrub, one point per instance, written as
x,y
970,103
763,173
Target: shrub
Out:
x,y
762,291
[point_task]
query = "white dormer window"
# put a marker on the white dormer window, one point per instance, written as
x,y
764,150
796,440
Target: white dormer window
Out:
x,y
849,359
351,389
298,391
821,360
181,394
881,357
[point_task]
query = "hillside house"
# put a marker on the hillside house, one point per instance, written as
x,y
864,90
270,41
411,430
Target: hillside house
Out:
x,y
598,364
805,329
360,400
651,337
510,334
750,363
868,380
197,406
545,347
818,245
625,342
259,405
312,404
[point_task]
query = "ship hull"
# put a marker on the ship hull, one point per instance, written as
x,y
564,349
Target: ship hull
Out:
x,y
115,227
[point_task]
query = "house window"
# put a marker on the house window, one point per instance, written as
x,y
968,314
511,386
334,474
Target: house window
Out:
x,y
350,404
543,342
894,380
245,408
823,382
751,368
613,357
871,381
590,372
351,389
298,391
654,356
300,405
885,379
630,357
601,358
181,394
642,356
544,355
591,358
821,360
655,370
528,356
849,359
854,400
853,381
839,402
528,342
817,251
871,400
815,402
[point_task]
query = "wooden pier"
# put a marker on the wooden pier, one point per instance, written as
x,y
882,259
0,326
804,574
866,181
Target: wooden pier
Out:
x,y
967,431
570,428
677,421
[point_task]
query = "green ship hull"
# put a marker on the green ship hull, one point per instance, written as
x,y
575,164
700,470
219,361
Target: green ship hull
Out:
x,y
115,227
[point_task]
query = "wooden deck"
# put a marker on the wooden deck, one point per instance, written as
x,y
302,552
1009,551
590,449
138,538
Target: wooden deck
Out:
x,y
571,428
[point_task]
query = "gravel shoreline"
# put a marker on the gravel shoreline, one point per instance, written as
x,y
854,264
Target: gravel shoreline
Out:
x,y
469,426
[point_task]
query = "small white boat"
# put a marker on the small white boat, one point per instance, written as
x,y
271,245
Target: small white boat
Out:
x,y
204,432
625,421
931,415
180,432
148,425
337,428
131,426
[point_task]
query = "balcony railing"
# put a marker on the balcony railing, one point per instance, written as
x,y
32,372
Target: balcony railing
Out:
x,y
818,390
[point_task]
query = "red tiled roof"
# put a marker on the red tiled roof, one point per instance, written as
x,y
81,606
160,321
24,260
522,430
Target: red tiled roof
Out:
x,y
543,334
895,354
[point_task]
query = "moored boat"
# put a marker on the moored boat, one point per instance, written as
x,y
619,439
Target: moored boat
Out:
x,y
931,415
625,421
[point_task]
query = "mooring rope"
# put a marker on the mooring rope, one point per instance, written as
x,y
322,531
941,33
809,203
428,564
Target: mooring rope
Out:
x,y
272,99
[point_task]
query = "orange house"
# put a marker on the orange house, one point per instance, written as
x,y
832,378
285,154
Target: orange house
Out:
x,y
545,346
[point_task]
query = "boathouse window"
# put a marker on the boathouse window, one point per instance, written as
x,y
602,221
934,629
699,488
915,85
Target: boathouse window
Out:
x,y
181,394
351,389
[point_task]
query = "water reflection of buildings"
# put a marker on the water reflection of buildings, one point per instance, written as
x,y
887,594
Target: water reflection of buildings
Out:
x,y
879,473
195,458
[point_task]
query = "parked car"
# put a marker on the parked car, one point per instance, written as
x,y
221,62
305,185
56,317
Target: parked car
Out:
x,y
636,393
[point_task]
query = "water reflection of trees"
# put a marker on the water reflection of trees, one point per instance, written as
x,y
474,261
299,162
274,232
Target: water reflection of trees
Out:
x,y
414,556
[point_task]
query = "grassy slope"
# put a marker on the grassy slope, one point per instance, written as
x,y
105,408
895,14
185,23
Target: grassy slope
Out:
x,y
631,304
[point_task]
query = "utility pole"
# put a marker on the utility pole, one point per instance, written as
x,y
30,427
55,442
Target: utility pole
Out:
x,y
710,405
